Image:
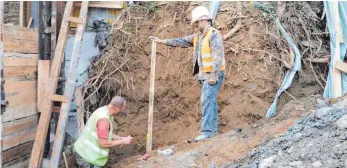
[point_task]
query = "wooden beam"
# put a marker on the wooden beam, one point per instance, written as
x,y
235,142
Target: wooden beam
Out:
x,y
69,88
80,114
30,21
53,26
1,74
74,19
15,126
13,87
151,98
40,138
23,73
341,66
58,98
21,14
101,4
336,74
19,111
28,12
43,75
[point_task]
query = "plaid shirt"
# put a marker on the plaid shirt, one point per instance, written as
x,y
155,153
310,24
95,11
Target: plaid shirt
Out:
x,y
217,52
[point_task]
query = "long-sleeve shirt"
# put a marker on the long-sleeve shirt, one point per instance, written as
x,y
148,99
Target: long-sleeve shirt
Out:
x,y
217,52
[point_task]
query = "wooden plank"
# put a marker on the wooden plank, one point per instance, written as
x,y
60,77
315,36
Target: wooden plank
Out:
x,y
1,73
151,98
30,21
43,75
21,13
19,111
101,4
53,26
40,138
19,138
74,19
20,59
20,98
22,73
19,162
80,114
58,98
69,89
28,15
21,33
341,66
336,74
15,126
19,86
17,152
22,46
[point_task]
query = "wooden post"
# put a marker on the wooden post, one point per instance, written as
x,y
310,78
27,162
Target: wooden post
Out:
x,y
21,13
69,88
336,74
80,114
40,138
1,70
151,98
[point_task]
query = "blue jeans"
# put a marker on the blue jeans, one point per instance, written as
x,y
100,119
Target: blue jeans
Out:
x,y
209,106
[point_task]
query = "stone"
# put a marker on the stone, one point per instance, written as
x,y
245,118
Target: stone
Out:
x,y
320,113
342,122
290,150
295,163
346,163
317,163
268,162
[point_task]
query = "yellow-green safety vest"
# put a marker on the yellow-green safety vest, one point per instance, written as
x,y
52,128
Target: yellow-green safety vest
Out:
x,y
87,145
206,51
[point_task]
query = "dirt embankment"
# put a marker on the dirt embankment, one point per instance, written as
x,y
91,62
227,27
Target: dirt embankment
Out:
x,y
251,81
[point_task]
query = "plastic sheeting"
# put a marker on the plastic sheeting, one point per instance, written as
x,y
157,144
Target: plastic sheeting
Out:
x,y
214,6
287,81
329,8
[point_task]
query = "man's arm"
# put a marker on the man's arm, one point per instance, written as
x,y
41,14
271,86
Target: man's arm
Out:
x,y
116,137
217,54
105,143
183,42
102,128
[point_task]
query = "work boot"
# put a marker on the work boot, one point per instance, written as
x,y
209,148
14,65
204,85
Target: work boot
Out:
x,y
201,138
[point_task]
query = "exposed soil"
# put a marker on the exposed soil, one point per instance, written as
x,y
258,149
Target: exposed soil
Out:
x,y
251,82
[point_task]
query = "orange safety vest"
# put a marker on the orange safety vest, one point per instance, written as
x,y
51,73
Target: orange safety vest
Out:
x,y
206,52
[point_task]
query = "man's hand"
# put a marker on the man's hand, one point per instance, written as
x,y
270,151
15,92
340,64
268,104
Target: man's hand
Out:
x,y
157,40
212,79
212,82
127,140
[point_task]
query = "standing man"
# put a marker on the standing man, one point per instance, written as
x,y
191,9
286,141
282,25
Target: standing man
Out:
x,y
92,148
209,65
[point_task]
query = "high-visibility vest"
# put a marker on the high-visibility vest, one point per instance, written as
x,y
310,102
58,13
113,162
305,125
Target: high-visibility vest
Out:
x,y
87,145
206,51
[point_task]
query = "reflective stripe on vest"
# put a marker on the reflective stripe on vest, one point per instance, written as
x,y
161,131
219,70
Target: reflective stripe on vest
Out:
x,y
94,147
206,52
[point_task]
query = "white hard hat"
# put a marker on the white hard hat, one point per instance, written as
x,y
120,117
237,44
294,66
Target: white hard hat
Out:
x,y
200,13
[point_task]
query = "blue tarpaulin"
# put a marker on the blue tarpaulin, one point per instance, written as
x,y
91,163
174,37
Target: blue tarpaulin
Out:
x,y
287,81
329,8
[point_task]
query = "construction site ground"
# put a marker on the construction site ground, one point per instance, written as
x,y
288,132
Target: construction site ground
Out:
x,y
256,61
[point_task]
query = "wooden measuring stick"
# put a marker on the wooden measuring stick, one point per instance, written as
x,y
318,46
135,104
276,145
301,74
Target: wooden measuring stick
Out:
x,y
151,98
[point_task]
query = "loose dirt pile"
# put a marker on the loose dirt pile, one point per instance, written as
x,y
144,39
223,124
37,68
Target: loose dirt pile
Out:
x,y
255,67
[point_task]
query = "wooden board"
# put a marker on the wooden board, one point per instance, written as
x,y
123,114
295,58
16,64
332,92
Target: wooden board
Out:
x,y
19,125
22,46
336,74
101,4
17,152
151,98
21,98
19,86
22,73
21,33
43,74
19,111
18,138
341,66
20,59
